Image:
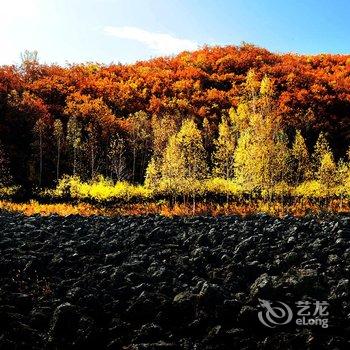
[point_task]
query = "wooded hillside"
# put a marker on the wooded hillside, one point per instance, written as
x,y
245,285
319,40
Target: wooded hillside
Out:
x,y
110,119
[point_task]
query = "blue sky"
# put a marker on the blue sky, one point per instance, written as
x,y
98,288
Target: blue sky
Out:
x,y
130,30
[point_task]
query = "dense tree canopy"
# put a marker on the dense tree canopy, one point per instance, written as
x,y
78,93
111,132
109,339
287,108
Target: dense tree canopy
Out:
x,y
143,104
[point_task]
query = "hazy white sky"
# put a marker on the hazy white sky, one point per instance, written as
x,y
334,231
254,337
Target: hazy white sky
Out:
x,y
130,30
86,30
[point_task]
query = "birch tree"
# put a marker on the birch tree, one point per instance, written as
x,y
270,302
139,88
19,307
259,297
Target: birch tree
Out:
x,y
224,148
116,158
301,159
58,133
74,139
5,176
39,129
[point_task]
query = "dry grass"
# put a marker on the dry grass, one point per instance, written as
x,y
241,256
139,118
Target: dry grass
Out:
x,y
299,208
64,209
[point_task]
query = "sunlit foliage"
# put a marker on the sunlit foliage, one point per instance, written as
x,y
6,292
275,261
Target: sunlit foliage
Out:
x,y
218,124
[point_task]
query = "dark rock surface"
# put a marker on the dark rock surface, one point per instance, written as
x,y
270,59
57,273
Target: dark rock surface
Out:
x,y
159,283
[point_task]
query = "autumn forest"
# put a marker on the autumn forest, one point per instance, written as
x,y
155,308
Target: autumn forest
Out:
x,y
220,124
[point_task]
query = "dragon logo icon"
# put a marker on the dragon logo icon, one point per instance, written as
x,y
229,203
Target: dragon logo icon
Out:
x,y
272,316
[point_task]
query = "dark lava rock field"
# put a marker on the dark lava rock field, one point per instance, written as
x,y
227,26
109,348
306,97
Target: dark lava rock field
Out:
x,y
183,283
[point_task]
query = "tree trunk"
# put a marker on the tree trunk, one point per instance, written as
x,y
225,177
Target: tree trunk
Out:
x,y
194,204
41,159
74,160
92,162
341,202
58,161
134,164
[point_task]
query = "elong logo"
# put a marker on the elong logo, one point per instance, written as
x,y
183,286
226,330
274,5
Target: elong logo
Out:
x,y
274,315
279,313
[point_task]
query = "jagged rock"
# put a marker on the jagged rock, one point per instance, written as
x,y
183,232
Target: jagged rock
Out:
x,y
157,283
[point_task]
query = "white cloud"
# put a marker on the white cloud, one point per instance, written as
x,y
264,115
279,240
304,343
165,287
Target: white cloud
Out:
x,y
164,44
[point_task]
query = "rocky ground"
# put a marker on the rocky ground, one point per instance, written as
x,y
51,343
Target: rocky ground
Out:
x,y
160,283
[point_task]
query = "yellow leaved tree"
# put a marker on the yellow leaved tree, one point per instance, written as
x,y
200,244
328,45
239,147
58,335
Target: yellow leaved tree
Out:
x,y
223,156
343,180
321,148
261,155
152,177
300,159
327,172
184,162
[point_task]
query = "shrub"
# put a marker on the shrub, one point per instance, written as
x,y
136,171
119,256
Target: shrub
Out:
x,y
222,187
100,190
311,189
8,192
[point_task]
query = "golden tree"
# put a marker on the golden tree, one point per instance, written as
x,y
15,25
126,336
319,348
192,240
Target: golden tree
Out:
x,y
261,154
152,176
301,158
184,162
246,170
173,161
321,148
207,131
327,172
279,166
223,156
173,168
343,180
163,128
190,142
240,118
252,86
